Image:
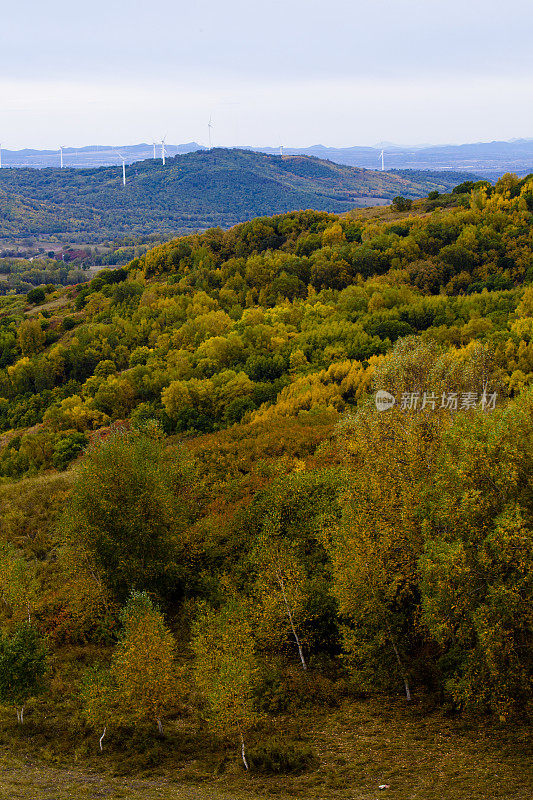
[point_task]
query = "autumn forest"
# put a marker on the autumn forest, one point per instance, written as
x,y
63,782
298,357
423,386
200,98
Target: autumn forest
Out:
x,y
267,473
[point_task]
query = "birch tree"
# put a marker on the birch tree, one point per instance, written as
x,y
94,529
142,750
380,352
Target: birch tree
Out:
x,y
279,587
140,684
18,585
143,665
99,701
225,668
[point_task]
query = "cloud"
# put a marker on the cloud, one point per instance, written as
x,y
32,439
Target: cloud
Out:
x,y
298,70
336,112
292,38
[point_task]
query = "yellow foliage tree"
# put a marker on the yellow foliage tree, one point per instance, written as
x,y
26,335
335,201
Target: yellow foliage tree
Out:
x,y
140,684
225,669
31,337
143,665
279,587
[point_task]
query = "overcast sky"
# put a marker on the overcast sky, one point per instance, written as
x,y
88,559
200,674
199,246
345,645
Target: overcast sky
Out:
x,y
297,72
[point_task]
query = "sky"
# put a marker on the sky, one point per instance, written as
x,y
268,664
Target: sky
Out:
x,y
296,73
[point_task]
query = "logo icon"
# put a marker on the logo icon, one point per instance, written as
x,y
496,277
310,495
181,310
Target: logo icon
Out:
x,y
384,400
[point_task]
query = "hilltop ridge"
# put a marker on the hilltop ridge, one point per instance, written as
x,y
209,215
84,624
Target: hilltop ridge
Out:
x,y
194,191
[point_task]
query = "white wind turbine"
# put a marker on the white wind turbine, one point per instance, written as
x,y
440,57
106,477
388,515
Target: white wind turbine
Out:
x,y
155,145
163,151
383,161
123,168
210,126
61,148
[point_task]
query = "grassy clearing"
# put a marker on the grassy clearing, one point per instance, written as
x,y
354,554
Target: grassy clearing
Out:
x,y
52,305
362,744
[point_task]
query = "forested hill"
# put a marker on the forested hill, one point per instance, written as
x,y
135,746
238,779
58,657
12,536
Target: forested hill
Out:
x,y
202,427
269,308
193,191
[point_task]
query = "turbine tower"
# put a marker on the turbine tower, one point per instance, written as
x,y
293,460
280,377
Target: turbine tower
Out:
x,y
123,167
154,144
61,148
383,161
209,127
163,151
281,150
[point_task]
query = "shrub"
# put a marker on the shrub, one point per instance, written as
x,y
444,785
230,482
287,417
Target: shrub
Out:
x,y
68,323
277,757
278,691
36,296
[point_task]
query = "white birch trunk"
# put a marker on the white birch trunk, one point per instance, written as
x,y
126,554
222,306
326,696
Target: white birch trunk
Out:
x,y
296,639
243,753
404,676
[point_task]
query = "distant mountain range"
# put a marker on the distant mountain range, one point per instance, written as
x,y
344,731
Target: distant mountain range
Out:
x,y
193,191
486,159
97,155
489,159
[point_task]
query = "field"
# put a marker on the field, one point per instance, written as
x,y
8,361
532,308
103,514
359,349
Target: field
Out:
x,y
362,745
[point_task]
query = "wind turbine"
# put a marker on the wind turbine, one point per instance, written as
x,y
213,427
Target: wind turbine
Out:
x,y
209,127
163,151
61,148
383,161
123,168
281,150
154,144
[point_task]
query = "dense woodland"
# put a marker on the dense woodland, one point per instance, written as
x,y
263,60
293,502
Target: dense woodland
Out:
x,y
192,191
200,497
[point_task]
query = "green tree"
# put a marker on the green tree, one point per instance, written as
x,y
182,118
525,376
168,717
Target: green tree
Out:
x,y
401,203
22,667
36,295
127,509
477,563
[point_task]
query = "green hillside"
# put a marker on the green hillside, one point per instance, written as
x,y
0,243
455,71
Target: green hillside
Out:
x,y
193,191
26,215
